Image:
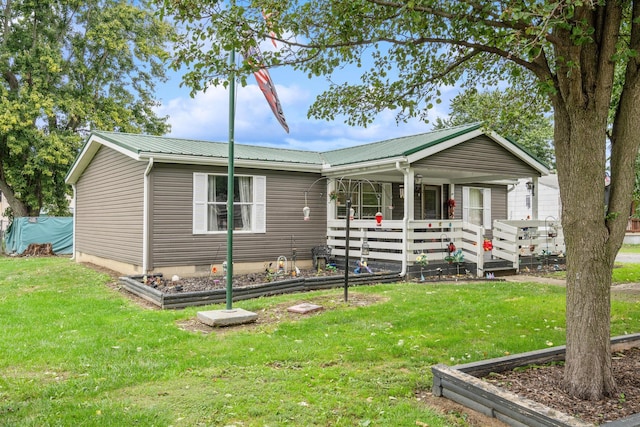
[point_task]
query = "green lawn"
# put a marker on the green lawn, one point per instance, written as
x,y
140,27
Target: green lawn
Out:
x,y
623,272
630,249
77,352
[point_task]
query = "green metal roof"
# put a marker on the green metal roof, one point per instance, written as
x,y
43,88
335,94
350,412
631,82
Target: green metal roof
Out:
x,y
396,147
195,151
391,148
140,144
189,150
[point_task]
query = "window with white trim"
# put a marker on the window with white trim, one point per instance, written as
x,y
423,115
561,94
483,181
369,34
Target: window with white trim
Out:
x,y
366,200
210,203
477,206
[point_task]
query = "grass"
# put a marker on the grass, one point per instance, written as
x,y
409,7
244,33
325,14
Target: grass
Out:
x,y
622,273
76,352
630,249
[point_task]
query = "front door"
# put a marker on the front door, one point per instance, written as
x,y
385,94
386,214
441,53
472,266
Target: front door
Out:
x,y
431,202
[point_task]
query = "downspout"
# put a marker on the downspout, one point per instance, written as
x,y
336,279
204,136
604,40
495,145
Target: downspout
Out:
x,y
405,219
75,213
145,218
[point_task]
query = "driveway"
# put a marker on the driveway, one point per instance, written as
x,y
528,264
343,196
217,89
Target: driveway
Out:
x,y
628,257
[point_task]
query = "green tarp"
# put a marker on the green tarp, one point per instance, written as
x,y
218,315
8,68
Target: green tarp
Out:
x,y
43,229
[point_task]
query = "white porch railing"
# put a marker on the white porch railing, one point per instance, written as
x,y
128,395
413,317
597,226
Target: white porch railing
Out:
x,y
392,243
527,237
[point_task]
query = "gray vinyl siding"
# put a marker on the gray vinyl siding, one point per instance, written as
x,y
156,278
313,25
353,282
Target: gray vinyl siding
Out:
x,y
499,201
173,242
109,208
480,154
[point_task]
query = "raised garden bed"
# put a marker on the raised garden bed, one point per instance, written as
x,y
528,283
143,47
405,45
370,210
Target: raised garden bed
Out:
x,y
218,296
463,384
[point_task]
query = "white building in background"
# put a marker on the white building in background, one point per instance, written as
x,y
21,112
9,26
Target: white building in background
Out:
x,y
4,204
521,201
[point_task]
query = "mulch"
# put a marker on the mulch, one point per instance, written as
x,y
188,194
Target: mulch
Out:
x,y
543,384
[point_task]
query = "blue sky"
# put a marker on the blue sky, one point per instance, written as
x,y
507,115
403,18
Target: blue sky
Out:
x,y
205,116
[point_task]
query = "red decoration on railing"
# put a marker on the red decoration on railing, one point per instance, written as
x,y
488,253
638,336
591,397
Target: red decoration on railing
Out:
x,y
451,204
487,245
379,219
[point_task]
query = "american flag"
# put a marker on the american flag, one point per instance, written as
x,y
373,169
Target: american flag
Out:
x,y
254,57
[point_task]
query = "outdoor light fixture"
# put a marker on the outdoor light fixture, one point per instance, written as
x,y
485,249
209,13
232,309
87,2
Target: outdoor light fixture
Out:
x,y
401,191
418,180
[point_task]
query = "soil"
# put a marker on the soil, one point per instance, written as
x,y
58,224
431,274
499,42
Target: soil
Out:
x,y
218,281
541,384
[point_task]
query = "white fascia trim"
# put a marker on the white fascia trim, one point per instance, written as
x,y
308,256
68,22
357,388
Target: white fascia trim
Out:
x,y
370,166
222,161
430,151
509,146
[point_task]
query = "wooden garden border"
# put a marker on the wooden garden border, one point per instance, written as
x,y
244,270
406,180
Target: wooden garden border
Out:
x,y
462,384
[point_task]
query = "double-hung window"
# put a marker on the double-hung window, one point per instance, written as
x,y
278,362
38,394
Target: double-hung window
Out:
x,y
210,192
477,206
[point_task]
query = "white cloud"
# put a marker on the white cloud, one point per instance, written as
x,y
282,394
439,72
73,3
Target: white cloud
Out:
x,y
205,116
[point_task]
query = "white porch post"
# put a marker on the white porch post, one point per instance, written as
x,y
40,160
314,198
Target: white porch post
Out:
x,y
409,187
405,218
452,194
331,205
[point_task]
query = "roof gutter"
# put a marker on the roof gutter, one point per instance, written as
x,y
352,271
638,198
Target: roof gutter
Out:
x,y
362,166
223,161
405,220
145,217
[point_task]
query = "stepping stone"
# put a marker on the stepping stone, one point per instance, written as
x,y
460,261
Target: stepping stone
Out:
x,y
236,316
304,308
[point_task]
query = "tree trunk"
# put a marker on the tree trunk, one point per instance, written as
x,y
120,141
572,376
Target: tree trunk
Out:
x,y
18,208
581,159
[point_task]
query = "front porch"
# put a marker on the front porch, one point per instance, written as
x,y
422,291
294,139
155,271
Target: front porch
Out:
x,y
434,192
394,242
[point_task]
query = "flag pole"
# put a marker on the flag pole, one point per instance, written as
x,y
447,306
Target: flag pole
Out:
x,y
230,177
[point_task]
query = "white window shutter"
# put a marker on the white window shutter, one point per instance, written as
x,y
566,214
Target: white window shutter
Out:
x,y
199,203
259,204
486,207
465,204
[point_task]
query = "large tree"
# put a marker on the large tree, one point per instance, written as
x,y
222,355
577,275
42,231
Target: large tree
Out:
x,y
68,67
522,116
572,49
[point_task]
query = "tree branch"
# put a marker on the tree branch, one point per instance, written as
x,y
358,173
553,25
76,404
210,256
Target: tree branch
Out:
x,y
521,26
